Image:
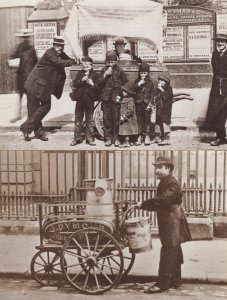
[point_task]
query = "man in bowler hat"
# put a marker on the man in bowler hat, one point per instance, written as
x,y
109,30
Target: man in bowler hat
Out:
x,y
172,225
217,107
119,45
46,79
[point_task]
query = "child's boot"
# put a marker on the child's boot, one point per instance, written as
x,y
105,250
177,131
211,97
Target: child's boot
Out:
x,y
167,138
127,141
138,141
117,143
157,138
147,141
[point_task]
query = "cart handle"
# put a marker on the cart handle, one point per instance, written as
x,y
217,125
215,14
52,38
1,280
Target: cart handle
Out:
x,y
128,213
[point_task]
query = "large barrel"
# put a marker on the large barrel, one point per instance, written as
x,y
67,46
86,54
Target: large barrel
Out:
x,y
99,199
139,234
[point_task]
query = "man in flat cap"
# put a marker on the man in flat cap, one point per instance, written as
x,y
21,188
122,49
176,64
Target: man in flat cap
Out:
x,y
172,225
25,51
46,79
217,107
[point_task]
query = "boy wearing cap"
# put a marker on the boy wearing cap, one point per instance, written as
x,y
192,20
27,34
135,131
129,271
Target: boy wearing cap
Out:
x,y
164,101
172,225
47,78
145,104
128,121
111,78
85,93
28,59
217,107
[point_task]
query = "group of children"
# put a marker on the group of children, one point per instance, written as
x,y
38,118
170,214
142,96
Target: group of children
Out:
x,y
133,111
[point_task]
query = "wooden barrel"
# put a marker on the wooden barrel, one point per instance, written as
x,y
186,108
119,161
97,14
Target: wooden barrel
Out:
x,y
139,234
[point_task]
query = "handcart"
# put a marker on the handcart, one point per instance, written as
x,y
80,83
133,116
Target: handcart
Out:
x,y
92,252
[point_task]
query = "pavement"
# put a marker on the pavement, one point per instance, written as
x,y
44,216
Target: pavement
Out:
x,y
204,261
59,124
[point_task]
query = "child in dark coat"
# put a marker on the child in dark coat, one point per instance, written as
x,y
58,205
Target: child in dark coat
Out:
x,y
145,104
164,101
111,78
85,93
128,121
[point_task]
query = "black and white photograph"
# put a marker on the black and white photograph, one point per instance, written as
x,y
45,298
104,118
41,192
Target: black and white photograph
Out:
x,y
113,149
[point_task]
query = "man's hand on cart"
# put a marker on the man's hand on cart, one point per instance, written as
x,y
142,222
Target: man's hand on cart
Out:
x,y
144,205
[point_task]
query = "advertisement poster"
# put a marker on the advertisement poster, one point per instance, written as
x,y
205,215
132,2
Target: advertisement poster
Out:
x,y
97,51
222,23
173,43
146,52
43,36
199,42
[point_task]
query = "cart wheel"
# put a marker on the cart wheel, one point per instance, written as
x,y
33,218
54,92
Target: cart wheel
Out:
x,y
46,268
129,259
98,118
97,267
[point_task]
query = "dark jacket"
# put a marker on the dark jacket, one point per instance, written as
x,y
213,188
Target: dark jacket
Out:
x,y
172,223
83,90
164,102
28,59
111,85
145,92
128,112
48,76
217,100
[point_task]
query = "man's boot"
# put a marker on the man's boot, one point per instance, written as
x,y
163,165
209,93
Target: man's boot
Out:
x,y
147,141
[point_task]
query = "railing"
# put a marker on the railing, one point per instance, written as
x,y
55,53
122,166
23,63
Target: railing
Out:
x,y
197,201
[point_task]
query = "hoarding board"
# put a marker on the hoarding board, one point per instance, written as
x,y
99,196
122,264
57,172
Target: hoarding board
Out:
x,y
44,33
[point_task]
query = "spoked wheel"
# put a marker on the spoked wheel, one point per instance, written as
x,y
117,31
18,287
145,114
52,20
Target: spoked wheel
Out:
x,y
46,268
97,267
129,259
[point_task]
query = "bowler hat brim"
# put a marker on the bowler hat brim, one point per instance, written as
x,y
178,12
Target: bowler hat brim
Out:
x,y
164,164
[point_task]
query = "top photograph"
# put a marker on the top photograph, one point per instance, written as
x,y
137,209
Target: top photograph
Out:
x,y
106,75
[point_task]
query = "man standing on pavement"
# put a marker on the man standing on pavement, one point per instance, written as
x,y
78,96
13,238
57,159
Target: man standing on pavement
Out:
x,y
217,107
46,79
172,225
28,59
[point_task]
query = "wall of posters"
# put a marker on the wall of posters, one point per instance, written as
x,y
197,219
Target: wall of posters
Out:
x,y
43,36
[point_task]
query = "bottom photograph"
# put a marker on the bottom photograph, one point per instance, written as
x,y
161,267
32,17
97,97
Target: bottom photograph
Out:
x,y
93,222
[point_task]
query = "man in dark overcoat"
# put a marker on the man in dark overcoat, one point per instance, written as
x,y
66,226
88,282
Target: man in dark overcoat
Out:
x,y
25,51
172,225
46,79
217,107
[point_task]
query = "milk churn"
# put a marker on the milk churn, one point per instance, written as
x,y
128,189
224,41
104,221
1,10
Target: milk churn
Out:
x,y
139,234
99,198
